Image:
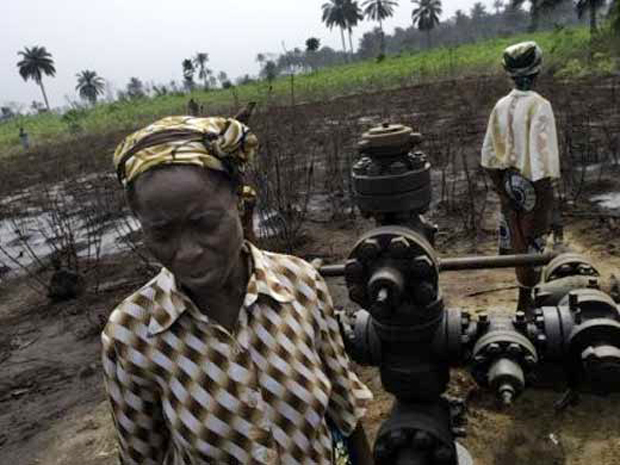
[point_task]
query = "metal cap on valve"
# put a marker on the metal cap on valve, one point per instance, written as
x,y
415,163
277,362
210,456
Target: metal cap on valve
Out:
x,y
389,178
389,138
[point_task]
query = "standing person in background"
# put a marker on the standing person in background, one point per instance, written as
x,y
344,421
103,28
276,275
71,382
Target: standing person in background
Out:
x,y
520,154
24,139
192,107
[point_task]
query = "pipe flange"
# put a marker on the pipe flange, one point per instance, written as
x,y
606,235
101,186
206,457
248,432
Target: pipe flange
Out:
x,y
451,343
568,264
586,302
425,428
406,254
558,323
502,344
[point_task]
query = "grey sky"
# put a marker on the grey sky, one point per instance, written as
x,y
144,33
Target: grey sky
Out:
x,y
149,38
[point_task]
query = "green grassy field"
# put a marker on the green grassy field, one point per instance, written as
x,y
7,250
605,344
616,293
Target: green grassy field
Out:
x,y
568,46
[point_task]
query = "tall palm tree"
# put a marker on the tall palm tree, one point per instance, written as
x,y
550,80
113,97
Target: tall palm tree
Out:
x,y
35,62
222,77
460,19
135,88
334,15
498,5
89,85
353,15
425,16
591,6
536,8
378,10
478,13
313,44
188,73
200,62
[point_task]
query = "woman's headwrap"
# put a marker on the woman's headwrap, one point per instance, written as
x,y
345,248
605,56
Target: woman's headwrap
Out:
x,y
222,144
522,59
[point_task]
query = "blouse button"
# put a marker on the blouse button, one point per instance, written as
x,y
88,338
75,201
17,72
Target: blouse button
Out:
x,y
264,423
265,455
252,399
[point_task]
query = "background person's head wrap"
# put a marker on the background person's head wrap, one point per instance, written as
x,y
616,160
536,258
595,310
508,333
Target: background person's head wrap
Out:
x,y
222,144
522,59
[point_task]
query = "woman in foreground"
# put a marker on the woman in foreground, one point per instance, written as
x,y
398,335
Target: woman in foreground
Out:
x,y
230,355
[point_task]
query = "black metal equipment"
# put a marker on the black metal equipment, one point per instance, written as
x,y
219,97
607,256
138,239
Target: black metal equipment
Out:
x,y
404,329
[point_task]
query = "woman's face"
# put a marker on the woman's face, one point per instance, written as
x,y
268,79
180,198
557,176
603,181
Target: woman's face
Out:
x,y
191,224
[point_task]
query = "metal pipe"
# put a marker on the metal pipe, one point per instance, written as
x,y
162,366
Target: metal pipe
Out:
x,y
469,263
328,271
497,261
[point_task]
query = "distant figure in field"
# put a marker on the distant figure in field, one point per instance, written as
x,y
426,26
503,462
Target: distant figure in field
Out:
x,y
24,138
520,154
192,107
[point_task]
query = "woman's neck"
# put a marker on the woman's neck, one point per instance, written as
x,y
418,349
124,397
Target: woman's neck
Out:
x,y
224,305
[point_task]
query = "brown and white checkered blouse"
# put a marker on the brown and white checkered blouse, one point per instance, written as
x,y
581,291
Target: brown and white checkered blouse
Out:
x,y
186,391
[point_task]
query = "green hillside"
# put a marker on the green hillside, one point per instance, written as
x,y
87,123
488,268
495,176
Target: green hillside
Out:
x,y
565,53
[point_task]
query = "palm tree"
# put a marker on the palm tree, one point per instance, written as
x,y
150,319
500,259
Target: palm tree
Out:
x,y
135,88
536,8
222,77
353,14
270,71
426,16
188,73
200,61
591,6
188,68
35,62
89,85
378,10
313,44
460,18
478,13
498,5
334,15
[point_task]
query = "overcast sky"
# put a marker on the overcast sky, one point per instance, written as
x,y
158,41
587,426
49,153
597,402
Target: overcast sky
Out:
x,y
149,38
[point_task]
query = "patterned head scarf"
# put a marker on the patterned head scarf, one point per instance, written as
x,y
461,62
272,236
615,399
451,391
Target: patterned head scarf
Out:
x,y
222,144
522,59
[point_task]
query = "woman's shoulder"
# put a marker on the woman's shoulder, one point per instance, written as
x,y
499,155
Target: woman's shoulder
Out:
x,y
134,312
289,265
278,257
298,278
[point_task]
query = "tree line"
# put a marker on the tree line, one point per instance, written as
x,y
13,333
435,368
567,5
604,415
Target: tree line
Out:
x,y
425,30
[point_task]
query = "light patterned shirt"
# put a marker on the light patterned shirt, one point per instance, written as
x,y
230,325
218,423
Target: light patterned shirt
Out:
x,y
184,390
521,134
